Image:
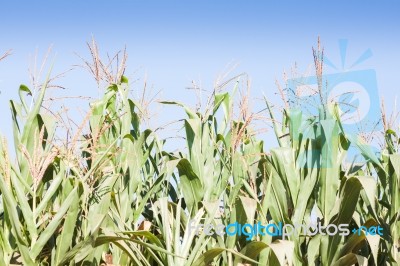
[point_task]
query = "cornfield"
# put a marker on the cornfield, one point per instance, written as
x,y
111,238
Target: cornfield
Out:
x,y
113,195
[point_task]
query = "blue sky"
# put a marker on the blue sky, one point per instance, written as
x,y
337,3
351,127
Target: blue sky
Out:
x,y
175,42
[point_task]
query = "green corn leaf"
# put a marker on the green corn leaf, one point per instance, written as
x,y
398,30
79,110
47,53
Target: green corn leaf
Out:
x,y
64,241
54,223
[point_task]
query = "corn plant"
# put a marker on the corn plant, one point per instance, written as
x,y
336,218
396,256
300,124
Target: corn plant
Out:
x,y
113,195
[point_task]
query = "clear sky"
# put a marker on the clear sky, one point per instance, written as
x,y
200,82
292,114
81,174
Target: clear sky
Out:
x,y
175,42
